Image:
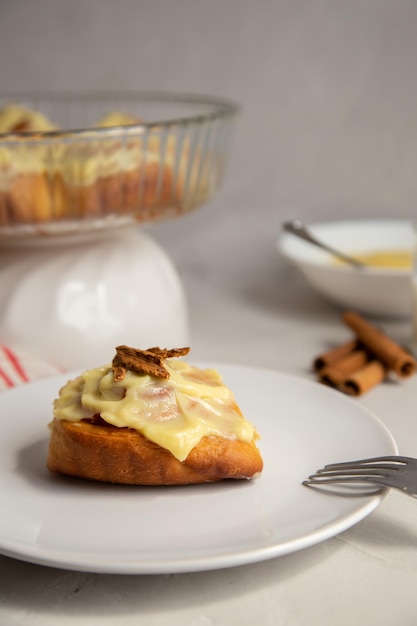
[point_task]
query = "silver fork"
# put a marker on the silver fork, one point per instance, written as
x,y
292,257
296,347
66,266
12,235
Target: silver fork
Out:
x,y
398,472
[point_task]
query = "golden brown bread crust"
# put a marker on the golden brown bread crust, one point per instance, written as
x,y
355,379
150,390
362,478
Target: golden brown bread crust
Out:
x,y
34,198
123,455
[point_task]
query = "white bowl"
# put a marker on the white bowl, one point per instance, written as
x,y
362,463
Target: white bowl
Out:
x,y
377,291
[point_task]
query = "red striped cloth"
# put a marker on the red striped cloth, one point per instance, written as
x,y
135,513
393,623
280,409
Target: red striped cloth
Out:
x,y
18,367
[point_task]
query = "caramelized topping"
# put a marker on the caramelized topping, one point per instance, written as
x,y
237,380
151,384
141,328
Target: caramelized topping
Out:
x,y
21,126
143,361
96,420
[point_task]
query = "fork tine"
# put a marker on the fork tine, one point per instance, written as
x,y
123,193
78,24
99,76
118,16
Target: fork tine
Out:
x,y
371,468
335,480
376,484
390,481
353,471
314,479
399,460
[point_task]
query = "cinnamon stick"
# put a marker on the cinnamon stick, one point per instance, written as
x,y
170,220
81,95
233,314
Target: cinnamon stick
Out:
x,y
334,355
143,361
365,378
336,373
392,355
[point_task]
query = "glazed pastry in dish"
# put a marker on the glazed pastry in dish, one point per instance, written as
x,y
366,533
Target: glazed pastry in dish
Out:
x,y
25,195
151,419
18,119
102,171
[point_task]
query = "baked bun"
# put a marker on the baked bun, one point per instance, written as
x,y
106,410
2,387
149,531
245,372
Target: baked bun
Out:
x,y
172,424
24,190
18,119
123,455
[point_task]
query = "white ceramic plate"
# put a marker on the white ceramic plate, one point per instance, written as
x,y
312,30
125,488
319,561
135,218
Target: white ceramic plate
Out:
x,y
68,523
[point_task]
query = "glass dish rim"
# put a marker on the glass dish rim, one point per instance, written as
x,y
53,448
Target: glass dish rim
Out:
x,y
220,108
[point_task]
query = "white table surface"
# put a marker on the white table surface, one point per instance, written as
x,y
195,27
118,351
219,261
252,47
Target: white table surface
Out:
x,y
248,306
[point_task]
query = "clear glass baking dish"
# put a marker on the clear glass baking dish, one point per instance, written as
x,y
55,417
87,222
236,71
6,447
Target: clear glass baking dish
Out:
x,y
166,158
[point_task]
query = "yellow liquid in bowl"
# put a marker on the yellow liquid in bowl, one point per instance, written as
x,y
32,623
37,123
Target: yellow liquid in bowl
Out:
x,y
389,259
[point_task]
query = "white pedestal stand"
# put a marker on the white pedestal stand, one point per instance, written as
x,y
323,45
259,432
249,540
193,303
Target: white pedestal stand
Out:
x,y
72,303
